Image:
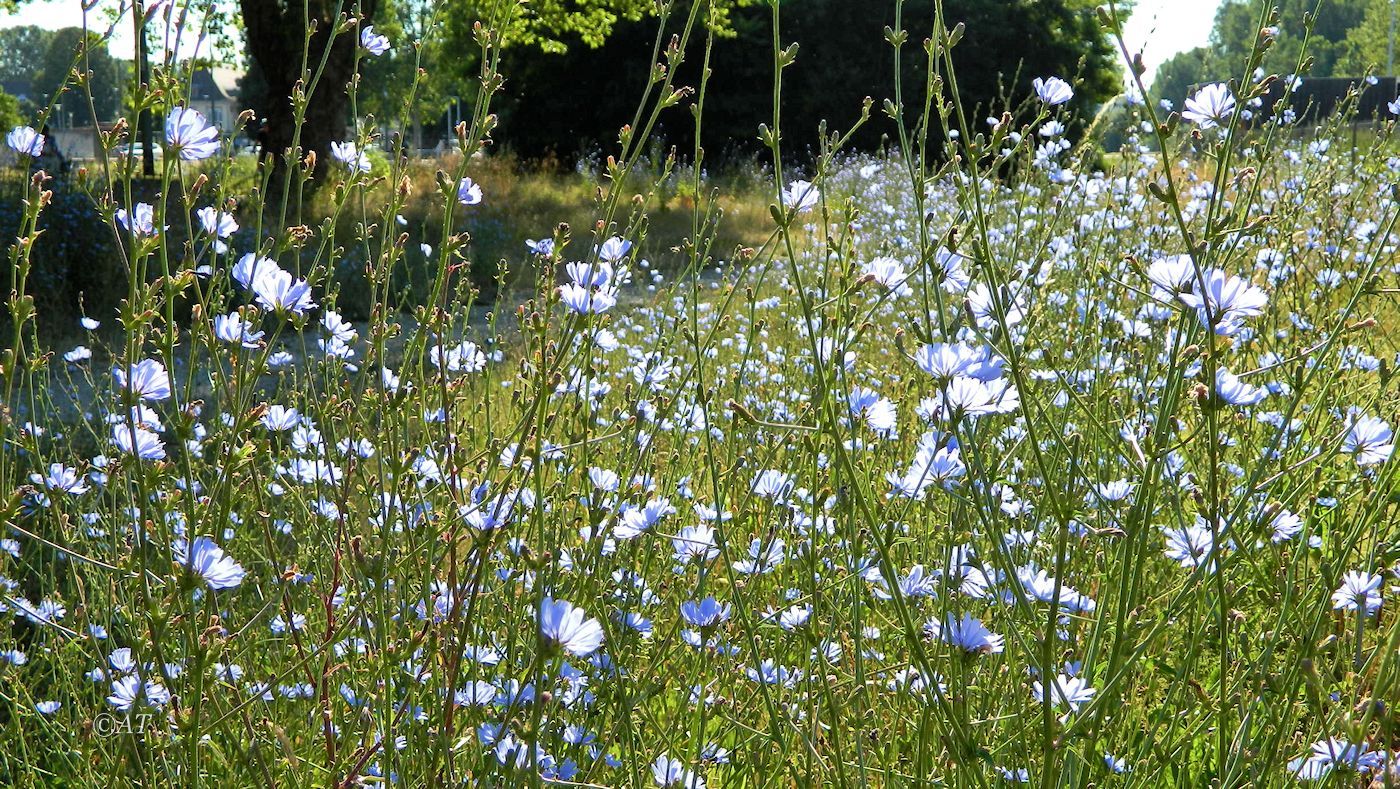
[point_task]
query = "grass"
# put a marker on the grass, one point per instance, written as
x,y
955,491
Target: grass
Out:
x,y
535,198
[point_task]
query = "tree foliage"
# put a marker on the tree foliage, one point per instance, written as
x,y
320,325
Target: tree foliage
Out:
x,y
437,36
564,30
1181,72
1237,28
1368,45
45,58
1349,39
22,48
578,99
391,89
104,74
10,114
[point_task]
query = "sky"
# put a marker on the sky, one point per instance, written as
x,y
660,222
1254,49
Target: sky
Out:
x,y
1160,28
54,14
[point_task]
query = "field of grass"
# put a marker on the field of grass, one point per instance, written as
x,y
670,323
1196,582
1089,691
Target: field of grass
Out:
x,y
902,473
81,270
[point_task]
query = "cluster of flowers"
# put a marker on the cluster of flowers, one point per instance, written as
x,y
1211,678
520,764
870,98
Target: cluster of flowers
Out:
x,y
745,505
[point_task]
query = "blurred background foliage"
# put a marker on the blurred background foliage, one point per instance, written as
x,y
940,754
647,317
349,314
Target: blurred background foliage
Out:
x,y
570,101
1350,38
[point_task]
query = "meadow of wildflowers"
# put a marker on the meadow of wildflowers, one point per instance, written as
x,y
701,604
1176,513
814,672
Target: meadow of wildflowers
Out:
x,y
998,465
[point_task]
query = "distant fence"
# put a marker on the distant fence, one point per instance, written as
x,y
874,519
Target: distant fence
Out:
x,y
1319,98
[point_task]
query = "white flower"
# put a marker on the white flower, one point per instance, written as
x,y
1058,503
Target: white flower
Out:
x,y
879,412
950,265
147,379
583,300
1065,691
1171,276
280,418
704,614
1190,546
141,220
1335,754
1358,590
1369,439
124,692
1210,105
1052,90
278,291
590,276
889,273
1233,391
967,634
465,357
232,328
614,249
565,625
801,196
468,192
190,135
250,267
337,327
372,42
762,558
61,479
25,140
945,360
219,224
673,772
966,396
350,155
138,441
933,464
1225,302
208,561
773,484
1285,526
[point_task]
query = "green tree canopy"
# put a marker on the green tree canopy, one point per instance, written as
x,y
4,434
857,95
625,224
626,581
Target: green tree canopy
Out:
x,y
10,114
577,99
53,70
1175,77
1349,38
387,84
1237,29
22,48
1368,45
441,31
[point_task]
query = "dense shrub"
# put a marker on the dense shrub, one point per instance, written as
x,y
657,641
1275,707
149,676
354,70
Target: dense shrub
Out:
x,y
78,261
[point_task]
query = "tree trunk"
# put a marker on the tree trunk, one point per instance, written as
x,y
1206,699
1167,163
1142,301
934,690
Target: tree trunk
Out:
x,y
276,36
144,125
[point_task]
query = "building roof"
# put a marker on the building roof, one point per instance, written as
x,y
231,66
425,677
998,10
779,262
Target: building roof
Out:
x,y
214,83
19,88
